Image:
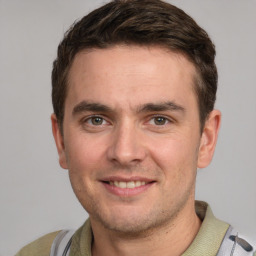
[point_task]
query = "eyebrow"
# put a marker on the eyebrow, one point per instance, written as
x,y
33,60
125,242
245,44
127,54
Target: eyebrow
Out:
x,y
93,107
165,106
84,106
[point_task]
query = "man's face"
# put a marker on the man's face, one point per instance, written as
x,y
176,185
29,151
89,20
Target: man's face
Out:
x,y
131,136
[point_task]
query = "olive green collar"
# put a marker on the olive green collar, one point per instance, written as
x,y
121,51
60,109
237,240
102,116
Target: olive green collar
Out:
x,y
206,242
210,235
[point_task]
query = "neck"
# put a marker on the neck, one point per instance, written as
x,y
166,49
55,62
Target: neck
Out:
x,y
171,239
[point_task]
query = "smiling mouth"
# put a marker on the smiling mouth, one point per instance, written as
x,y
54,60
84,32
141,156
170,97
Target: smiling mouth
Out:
x,y
127,188
128,184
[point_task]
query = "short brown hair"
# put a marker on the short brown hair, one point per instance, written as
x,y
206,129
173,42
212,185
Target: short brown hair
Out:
x,y
139,22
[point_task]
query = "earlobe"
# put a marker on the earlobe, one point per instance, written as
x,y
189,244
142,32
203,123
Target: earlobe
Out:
x,y
209,139
58,137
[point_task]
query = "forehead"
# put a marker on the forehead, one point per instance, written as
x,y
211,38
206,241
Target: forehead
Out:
x,y
125,71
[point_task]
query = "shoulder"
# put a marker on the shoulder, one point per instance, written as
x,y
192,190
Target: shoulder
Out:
x,y
39,247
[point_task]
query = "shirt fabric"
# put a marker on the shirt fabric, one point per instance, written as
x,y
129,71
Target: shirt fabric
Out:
x,y
206,242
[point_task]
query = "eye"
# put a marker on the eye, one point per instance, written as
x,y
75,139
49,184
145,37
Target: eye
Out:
x,y
159,120
96,121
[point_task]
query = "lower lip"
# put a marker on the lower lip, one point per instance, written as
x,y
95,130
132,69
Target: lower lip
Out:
x,y
127,192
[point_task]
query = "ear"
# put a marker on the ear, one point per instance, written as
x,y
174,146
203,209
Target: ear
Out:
x,y
58,137
209,139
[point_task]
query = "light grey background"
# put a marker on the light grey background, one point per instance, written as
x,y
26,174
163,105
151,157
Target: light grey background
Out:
x,y
35,194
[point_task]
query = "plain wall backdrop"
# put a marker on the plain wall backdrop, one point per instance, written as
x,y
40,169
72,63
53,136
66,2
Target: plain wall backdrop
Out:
x,y
35,195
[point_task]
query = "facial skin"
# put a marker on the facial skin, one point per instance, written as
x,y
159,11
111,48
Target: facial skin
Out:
x,y
131,118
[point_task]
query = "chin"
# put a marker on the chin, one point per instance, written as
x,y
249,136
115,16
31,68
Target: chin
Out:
x,y
133,225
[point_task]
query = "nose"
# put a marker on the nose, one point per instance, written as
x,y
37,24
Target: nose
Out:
x,y
127,146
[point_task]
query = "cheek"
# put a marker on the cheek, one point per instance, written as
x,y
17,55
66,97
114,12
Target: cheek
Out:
x,y
83,163
84,158
84,154
177,158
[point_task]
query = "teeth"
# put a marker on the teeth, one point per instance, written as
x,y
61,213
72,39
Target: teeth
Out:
x,y
130,184
122,184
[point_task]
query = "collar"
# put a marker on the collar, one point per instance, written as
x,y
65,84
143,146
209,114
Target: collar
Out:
x,y
206,242
211,233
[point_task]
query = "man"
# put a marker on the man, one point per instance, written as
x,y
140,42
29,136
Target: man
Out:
x,y
133,90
